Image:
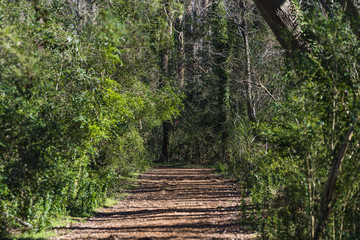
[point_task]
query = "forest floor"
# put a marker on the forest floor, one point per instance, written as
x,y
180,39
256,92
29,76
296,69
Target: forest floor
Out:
x,y
170,203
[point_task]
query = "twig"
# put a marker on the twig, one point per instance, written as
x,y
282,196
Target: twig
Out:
x,y
18,220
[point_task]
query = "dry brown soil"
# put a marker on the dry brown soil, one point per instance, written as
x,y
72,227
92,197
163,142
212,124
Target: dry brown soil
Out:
x,y
169,203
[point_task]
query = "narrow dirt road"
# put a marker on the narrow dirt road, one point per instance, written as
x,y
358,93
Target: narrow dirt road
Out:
x,y
169,203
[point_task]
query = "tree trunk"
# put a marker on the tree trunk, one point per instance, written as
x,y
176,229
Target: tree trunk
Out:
x,y
181,29
164,157
182,59
248,89
326,197
281,16
188,42
18,220
221,51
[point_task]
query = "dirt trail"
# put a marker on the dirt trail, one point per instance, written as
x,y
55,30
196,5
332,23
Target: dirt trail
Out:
x,y
169,203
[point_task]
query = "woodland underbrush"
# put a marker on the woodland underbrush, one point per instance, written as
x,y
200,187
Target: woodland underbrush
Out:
x,y
76,108
302,171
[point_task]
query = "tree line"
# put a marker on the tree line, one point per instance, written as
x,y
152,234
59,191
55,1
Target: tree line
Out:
x,y
265,91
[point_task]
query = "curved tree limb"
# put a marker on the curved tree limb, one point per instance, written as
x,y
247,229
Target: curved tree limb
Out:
x,y
18,220
281,16
326,197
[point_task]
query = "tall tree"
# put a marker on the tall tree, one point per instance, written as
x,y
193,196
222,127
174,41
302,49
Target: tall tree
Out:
x,y
221,51
281,16
165,73
243,27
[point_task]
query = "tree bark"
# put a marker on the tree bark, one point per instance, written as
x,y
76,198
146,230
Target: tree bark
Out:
x,y
326,197
164,157
248,89
281,16
182,59
188,41
221,51
182,21
18,220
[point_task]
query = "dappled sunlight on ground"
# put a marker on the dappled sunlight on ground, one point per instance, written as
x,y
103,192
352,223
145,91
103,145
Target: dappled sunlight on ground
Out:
x,y
169,203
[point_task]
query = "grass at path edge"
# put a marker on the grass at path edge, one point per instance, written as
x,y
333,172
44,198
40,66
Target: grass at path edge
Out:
x,y
109,202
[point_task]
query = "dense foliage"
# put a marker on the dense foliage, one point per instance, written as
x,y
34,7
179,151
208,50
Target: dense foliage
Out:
x,y
310,136
315,130
78,97
93,91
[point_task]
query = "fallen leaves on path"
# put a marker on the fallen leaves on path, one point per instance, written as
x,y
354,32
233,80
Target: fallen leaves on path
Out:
x,y
169,203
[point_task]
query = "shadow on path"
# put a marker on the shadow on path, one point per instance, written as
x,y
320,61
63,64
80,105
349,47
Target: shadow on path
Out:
x,y
170,203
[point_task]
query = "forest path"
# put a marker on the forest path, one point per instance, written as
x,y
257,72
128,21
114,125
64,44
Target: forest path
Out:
x,y
169,203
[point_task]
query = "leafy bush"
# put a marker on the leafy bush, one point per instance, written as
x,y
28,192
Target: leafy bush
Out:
x,y
306,135
74,106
